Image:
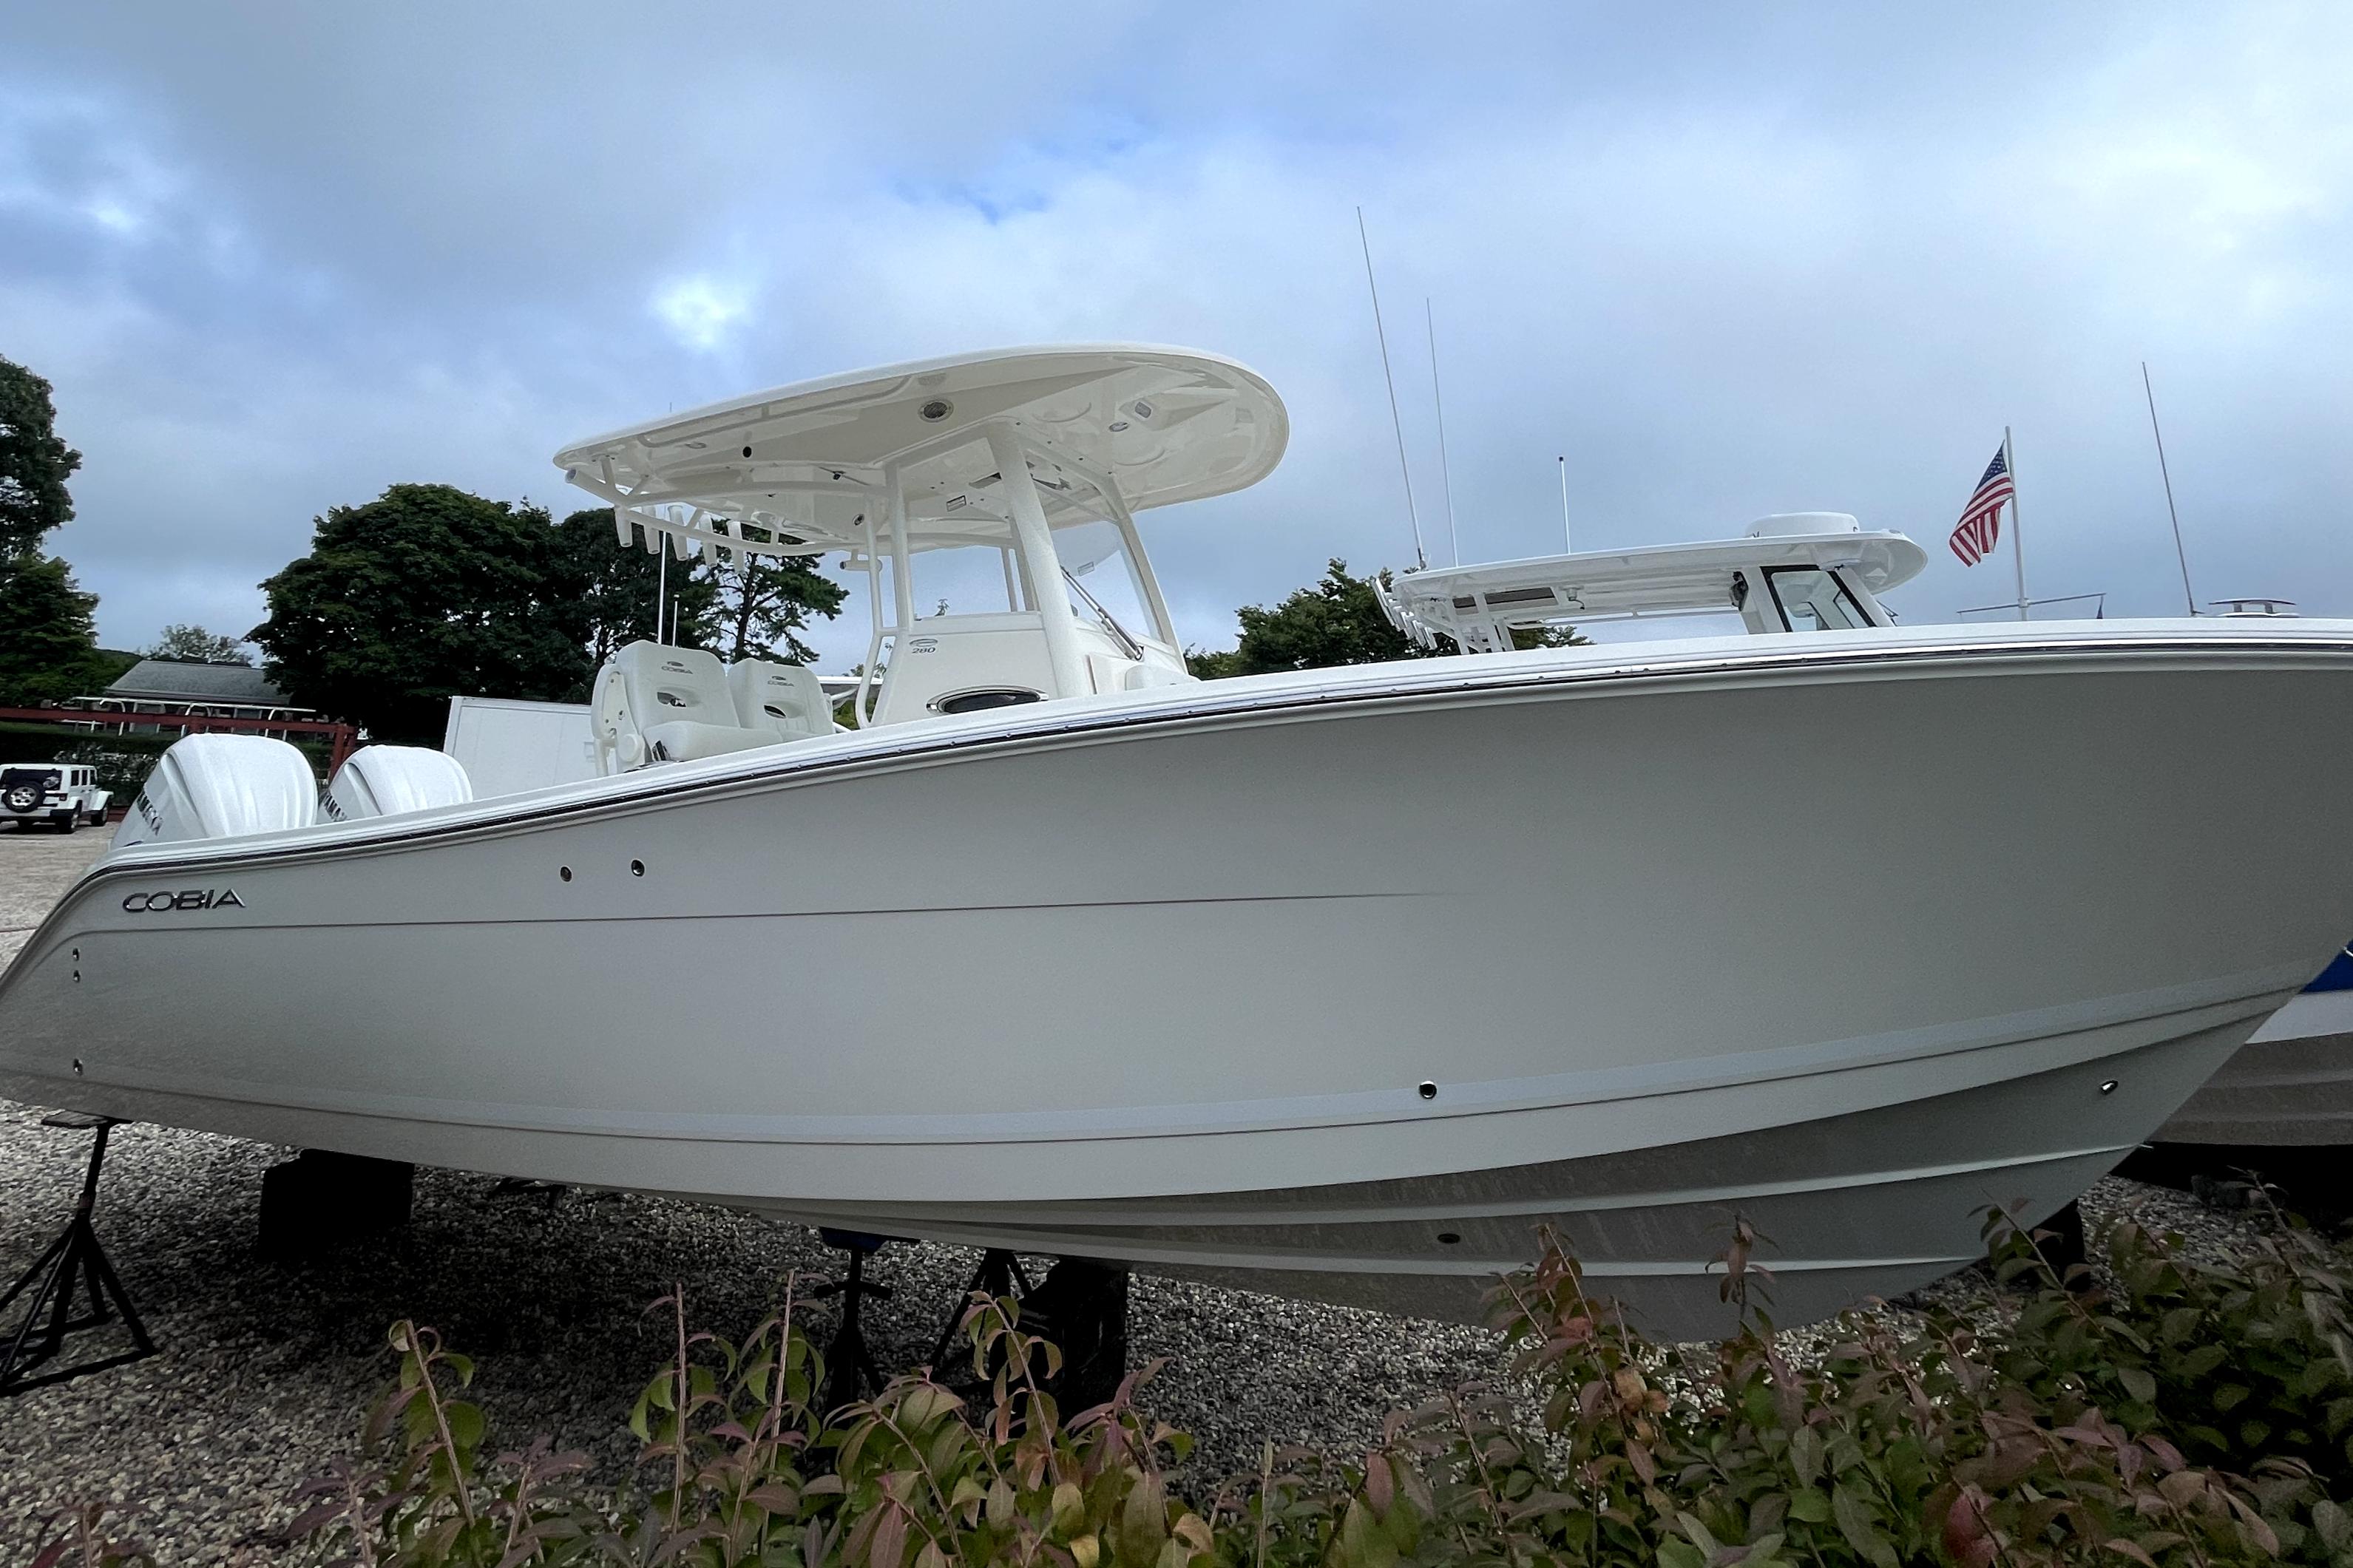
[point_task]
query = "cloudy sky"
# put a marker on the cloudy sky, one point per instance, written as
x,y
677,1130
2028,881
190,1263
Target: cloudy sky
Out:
x,y
1726,262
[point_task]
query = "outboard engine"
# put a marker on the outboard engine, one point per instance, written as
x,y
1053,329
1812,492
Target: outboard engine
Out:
x,y
384,781
221,787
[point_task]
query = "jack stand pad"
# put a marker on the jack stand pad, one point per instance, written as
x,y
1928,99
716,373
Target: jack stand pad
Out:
x,y
49,1286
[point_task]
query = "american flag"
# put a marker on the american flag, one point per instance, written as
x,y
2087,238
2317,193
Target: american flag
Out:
x,y
1980,524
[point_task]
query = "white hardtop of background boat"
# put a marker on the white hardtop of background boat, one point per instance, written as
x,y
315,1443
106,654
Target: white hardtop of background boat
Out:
x,y
1648,580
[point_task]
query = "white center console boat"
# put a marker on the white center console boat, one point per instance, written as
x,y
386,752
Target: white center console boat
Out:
x,y
1336,983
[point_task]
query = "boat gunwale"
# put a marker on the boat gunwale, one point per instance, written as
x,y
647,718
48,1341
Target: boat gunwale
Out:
x,y
1706,663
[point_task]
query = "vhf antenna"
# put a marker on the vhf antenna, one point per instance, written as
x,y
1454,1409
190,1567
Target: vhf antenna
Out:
x,y
1445,469
2179,554
1421,559
1566,541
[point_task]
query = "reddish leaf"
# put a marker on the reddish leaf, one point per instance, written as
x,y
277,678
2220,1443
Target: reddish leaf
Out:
x,y
888,1544
1965,1529
2255,1524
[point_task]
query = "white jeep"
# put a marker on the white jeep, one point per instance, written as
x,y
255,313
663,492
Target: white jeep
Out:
x,y
62,794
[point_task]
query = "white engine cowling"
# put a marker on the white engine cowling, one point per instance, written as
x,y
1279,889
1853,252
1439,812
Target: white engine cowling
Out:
x,y
221,787
384,781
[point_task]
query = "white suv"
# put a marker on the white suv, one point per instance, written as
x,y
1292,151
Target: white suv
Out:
x,y
63,794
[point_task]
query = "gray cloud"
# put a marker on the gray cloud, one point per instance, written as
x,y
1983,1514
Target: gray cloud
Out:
x,y
1726,262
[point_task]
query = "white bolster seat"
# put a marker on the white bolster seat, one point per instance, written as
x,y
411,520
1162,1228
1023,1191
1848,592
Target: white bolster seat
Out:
x,y
786,700
672,703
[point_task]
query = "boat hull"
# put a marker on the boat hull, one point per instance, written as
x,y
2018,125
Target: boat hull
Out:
x,y
2291,1086
1290,981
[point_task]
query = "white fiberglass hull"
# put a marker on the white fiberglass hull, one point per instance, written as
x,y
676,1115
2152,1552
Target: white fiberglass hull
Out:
x,y
2290,1085
1339,984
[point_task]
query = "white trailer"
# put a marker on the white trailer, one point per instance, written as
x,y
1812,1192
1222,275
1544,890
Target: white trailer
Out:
x,y
508,745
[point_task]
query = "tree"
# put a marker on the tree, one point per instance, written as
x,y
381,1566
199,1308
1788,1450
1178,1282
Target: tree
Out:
x,y
746,607
764,600
48,646
193,645
605,590
421,594
34,463
1526,637
1335,621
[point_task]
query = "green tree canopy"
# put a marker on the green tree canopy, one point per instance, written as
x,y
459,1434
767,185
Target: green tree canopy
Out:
x,y
744,607
421,594
48,648
605,590
34,463
1335,621
197,646
763,600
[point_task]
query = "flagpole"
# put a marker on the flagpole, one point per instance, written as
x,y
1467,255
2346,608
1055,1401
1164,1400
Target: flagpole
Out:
x,y
2017,528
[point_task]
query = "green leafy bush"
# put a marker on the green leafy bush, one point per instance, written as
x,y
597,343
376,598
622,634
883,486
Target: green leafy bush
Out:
x,y
2250,1358
2198,1415
2091,1430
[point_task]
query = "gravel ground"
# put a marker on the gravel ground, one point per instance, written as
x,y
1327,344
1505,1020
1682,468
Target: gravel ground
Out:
x,y
266,1369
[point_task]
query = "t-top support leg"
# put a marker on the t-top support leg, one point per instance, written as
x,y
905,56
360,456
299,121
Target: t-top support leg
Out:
x,y
48,1287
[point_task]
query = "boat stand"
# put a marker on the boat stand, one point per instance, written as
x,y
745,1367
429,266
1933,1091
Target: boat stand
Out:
x,y
2062,1246
1000,1275
49,1285
1081,1307
849,1365
321,1199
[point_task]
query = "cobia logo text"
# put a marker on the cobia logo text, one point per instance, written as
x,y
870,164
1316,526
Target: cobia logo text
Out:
x,y
185,898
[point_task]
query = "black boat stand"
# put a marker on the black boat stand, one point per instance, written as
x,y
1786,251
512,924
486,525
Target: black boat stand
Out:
x,y
1000,1275
49,1285
1080,1305
848,1364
